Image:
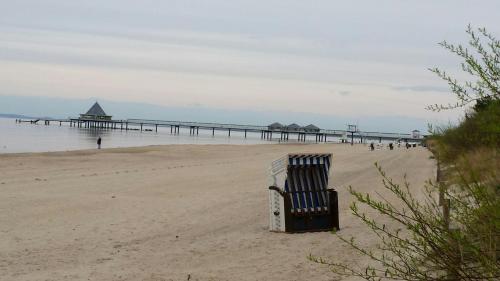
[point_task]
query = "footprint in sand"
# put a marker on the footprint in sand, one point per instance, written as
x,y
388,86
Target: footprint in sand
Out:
x,y
102,260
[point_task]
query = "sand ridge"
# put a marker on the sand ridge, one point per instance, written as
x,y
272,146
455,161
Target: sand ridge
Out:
x,y
173,212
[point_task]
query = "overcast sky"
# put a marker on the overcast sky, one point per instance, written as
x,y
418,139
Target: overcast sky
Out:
x,y
339,58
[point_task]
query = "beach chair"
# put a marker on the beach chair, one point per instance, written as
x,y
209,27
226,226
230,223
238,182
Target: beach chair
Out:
x,y
299,197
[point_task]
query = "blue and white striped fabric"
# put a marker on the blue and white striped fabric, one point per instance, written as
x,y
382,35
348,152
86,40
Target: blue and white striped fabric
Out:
x,y
308,159
307,182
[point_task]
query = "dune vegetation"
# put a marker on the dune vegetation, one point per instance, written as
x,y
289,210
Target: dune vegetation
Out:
x,y
454,232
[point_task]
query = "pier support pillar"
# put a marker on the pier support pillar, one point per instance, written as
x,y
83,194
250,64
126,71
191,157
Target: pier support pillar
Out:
x,y
245,133
156,127
213,132
229,132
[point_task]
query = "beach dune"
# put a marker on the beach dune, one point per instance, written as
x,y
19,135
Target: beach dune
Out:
x,y
179,212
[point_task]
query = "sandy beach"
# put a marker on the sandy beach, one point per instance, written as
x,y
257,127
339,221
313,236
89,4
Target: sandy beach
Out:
x,y
178,212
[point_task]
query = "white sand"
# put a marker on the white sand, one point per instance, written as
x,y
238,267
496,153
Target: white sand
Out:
x,y
163,213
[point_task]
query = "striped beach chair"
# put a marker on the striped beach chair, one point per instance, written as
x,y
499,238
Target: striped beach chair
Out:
x,y
299,197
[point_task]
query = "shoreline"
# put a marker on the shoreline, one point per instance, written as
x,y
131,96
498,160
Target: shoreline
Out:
x,y
125,149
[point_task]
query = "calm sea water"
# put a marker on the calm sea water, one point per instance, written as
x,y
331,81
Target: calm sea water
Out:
x,y
26,137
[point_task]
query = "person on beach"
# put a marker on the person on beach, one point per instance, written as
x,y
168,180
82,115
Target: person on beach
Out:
x,y
372,147
99,143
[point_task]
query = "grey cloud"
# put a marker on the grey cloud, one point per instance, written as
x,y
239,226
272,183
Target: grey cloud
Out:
x,y
386,43
423,88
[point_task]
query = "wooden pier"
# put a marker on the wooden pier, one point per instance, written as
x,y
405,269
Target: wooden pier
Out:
x,y
283,135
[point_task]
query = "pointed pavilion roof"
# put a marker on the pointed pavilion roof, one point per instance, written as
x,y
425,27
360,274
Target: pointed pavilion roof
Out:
x,y
276,124
96,109
293,126
311,127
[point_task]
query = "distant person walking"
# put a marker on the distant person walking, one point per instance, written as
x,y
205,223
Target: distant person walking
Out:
x,y
99,140
372,147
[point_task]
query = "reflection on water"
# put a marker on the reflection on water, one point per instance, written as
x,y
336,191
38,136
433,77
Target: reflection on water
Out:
x,y
27,137
93,133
